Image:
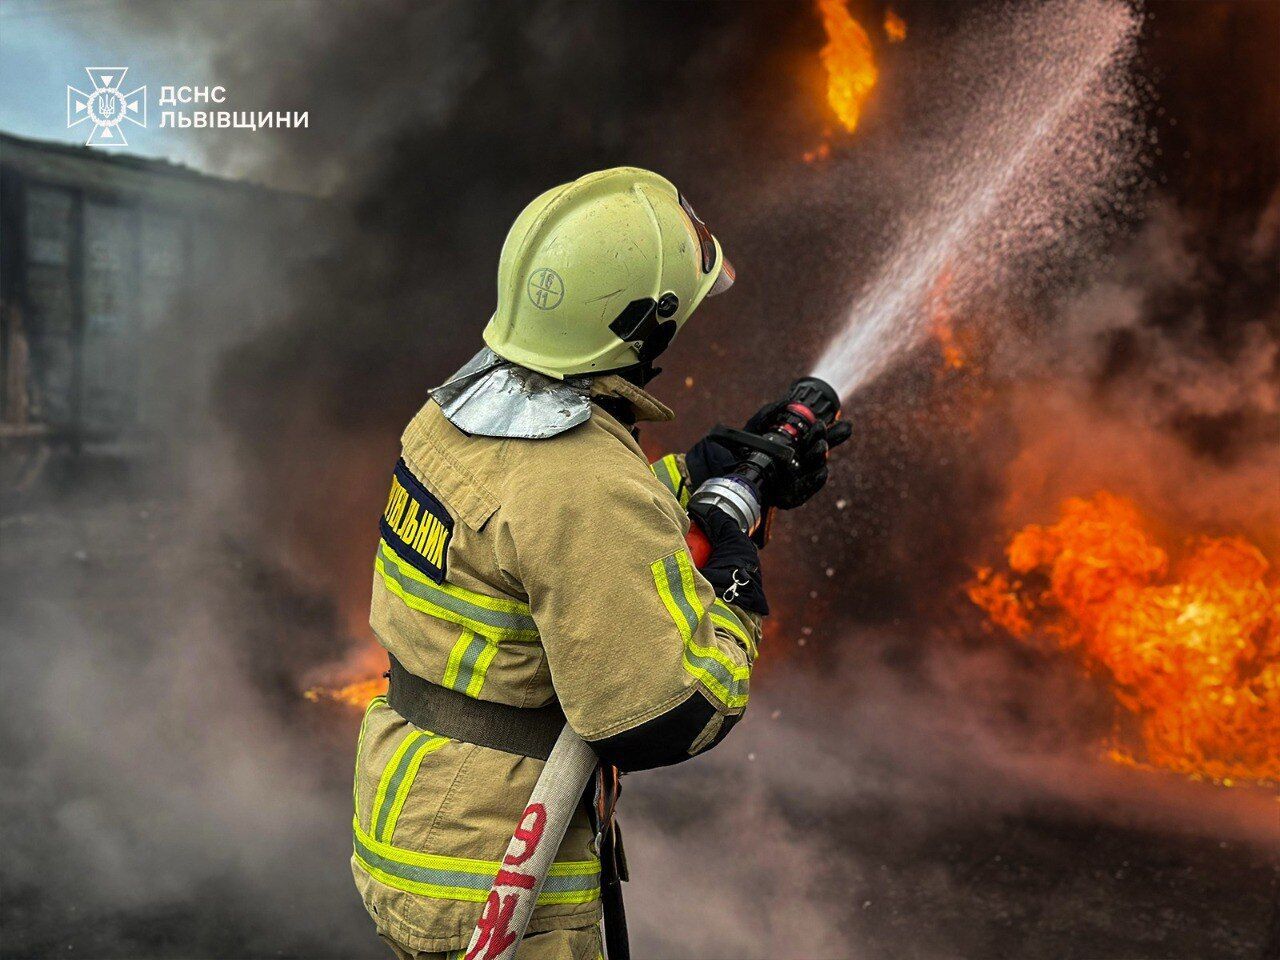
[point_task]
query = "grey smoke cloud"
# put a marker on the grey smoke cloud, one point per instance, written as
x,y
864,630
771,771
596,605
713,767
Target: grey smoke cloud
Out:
x,y
166,778
837,822
152,784
1134,394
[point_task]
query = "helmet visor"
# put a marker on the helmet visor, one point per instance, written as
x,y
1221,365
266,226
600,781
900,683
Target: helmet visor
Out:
x,y
706,242
725,280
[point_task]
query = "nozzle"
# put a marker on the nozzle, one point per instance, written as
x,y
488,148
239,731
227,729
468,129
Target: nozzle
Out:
x,y
818,396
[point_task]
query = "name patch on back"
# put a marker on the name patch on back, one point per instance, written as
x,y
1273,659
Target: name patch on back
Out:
x,y
416,525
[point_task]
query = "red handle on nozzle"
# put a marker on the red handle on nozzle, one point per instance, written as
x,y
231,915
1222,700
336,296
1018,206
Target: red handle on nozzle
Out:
x,y
698,544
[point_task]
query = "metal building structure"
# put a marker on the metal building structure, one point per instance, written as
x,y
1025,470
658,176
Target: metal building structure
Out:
x,y
101,254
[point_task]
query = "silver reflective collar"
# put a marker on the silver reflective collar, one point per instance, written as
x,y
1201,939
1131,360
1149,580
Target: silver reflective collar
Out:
x,y
493,397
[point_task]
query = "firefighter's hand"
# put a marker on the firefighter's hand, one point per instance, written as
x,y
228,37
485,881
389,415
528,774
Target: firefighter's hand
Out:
x,y
734,567
707,459
797,481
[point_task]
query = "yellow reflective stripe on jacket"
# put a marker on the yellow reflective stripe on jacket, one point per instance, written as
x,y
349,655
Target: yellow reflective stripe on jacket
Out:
x,y
469,663
667,469
677,592
724,678
495,618
397,780
460,878
723,617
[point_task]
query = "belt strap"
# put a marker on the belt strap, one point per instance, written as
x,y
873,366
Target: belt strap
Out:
x,y
448,713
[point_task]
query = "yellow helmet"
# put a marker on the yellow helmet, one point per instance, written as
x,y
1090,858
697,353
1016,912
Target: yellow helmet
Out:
x,y
600,274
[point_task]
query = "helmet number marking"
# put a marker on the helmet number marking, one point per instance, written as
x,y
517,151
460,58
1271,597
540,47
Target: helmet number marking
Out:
x,y
545,288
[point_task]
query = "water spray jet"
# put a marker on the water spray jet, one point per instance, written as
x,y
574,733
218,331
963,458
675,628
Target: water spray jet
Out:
x,y
1024,153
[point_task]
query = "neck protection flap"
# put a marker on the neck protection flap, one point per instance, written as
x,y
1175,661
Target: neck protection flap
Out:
x,y
492,397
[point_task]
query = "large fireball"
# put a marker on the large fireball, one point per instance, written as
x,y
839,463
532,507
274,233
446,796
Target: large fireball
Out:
x,y
1191,648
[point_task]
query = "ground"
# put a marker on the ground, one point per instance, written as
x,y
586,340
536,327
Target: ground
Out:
x,y
1041,880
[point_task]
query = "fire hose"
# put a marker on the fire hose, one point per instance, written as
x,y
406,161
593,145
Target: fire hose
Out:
x,y
532,847
744,494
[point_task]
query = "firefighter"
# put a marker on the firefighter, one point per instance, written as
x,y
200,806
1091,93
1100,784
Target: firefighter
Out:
x,y
532,569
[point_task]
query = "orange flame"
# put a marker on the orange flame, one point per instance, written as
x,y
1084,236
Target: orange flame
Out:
x,y
819,153
1193,658
895,28
851,66
357,694
355,683
942,325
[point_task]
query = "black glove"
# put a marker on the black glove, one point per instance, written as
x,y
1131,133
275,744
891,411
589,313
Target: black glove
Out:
x,y
734,567
707,459
799,480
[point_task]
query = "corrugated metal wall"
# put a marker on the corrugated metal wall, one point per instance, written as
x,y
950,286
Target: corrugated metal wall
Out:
x,y
50,319
118,263
93,272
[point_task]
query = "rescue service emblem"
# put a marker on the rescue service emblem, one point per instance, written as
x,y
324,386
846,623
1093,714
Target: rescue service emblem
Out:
x,y
416,525
545,288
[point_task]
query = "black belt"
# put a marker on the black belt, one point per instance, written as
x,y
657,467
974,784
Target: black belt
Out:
x,y
448,713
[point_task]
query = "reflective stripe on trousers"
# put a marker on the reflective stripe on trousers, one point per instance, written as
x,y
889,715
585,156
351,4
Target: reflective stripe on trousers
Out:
x,y
433,875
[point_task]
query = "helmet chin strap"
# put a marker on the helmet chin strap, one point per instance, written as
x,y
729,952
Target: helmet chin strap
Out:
x,y
619,409
641,375
654,345
638,375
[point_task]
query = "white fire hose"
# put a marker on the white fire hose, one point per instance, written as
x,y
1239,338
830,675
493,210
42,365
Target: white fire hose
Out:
x,y
532,848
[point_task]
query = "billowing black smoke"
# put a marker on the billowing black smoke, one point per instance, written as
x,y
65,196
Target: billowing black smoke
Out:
x,y
181,797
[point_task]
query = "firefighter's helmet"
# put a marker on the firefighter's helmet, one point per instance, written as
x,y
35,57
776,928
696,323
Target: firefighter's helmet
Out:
x,y
599,274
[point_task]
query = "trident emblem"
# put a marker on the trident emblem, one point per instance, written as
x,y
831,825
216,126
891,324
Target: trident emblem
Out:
x,y
107,106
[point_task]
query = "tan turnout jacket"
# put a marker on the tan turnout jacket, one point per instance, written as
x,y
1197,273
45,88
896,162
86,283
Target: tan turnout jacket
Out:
x,y
564,575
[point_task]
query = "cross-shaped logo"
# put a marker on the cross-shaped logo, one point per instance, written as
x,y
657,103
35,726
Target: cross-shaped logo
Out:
x,y
107,106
